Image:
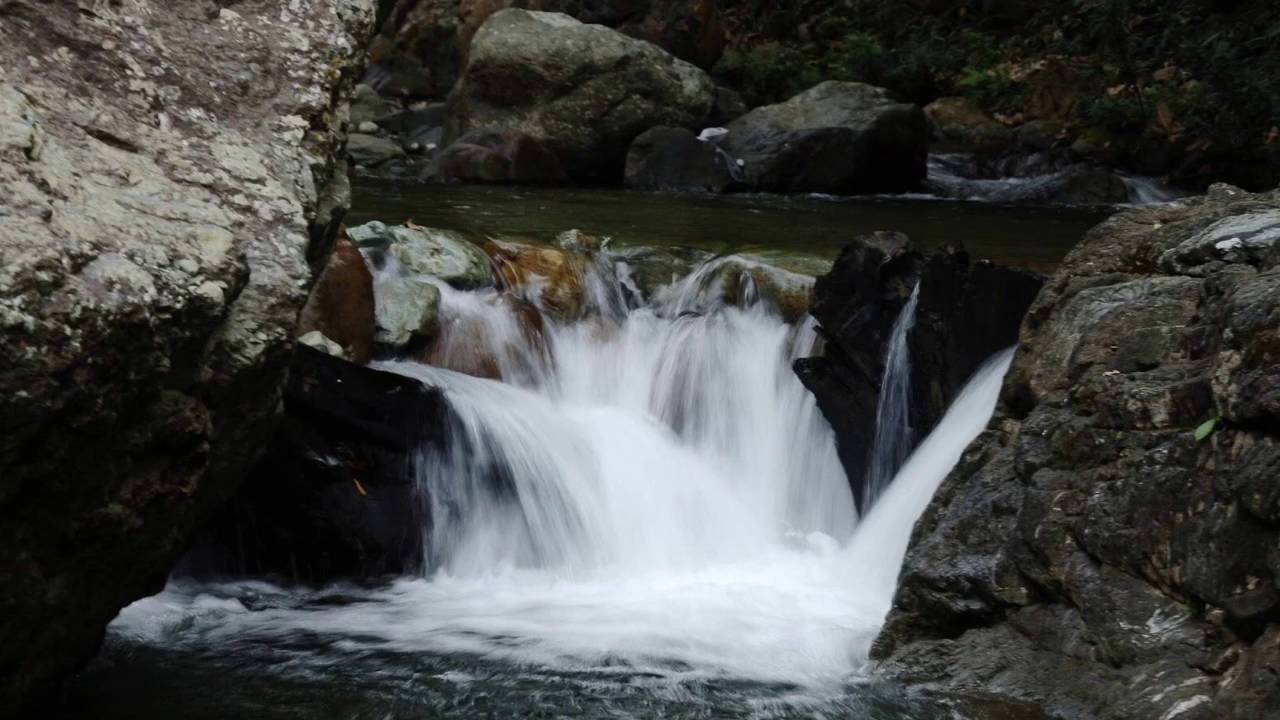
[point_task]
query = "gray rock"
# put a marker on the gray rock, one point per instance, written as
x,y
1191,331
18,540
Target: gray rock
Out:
x,y
367,105
407,310
317,340
1101,550
584,90
442,254
371,150
666,158
161,212
837,137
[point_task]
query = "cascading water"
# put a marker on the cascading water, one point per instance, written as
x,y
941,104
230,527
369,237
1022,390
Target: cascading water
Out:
x,y
894,436
650,498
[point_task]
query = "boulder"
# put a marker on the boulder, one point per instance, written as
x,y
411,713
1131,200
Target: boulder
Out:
x,y
407,311
585,91
552,279
966,312
158,219
837,137
1107,546
416,250
959,122
666,158
499,157
368,106
341,303
370,151
335,496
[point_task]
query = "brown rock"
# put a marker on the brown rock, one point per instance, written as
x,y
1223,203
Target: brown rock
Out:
x,y
551,278
341,303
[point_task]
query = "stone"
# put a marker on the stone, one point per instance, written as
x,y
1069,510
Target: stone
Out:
x,y
1093,552
341,305
584,91
164,212
407,312
442,254
316,339
665,158
960,123
837,137
370,151
367,106
499,157
551,279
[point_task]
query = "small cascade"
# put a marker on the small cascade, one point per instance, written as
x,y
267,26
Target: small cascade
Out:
x,y
894,436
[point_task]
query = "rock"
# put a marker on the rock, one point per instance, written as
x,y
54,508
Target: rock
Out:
x,y
370,151
1013,180
729,106
666,158
420,49
316,339
411,122
583,90
966,312
959,122
367,106
650,269
442,254
499,157
837,137
340,307
1100,550
335,496
506,341
407,312
552,279
161,207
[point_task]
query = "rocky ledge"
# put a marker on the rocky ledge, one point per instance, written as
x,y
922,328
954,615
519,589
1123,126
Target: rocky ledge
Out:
x,y
167,180
1110,546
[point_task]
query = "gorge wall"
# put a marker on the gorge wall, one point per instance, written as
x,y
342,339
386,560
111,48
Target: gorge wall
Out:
x,y
1110,546
168,176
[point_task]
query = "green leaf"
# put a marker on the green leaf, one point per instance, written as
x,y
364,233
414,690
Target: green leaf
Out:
x,y
1206,429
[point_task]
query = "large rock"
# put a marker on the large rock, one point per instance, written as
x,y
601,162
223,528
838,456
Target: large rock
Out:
x,y
837,137
966,312
341,306
158,207
552,279
416,250
1108,547
335,495
407,311
584,90
666,158
499,157
370,151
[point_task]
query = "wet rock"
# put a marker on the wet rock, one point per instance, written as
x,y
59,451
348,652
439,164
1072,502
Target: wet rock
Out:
x,y
651,269
163,207
1037,178
666,158
370,151
334,497
341,304
837,137
967,311
552,279
959,122
583,90
1102,549
499,157
417,250
407,311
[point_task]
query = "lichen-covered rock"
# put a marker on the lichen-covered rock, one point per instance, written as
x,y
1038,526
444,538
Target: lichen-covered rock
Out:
x,y
159,203
837,137
585,91
415,250
1108,546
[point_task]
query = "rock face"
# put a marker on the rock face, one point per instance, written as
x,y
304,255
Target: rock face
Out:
x,y
1108,547
837,137
585,91
334,496
157,215
666,158
966,312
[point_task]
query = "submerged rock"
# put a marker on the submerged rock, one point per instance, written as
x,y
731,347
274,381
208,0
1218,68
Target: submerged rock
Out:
x,y
1107,547
837,137
334,497
585,91
157,215
966,311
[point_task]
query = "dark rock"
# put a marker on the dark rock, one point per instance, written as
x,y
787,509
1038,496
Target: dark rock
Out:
x,y
966,312
584,91
370,151
1093,552
410,122
837,137
666,158
367,106
499,157
341,303
335,496
729,106
960,123
157,245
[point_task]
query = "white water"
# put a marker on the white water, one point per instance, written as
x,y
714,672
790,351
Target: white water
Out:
x,y
894,436
662,497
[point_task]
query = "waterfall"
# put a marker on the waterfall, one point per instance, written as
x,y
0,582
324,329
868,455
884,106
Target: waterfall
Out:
x,y
894,437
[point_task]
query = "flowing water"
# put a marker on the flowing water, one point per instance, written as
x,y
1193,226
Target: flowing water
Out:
x,y
645,517
894,437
